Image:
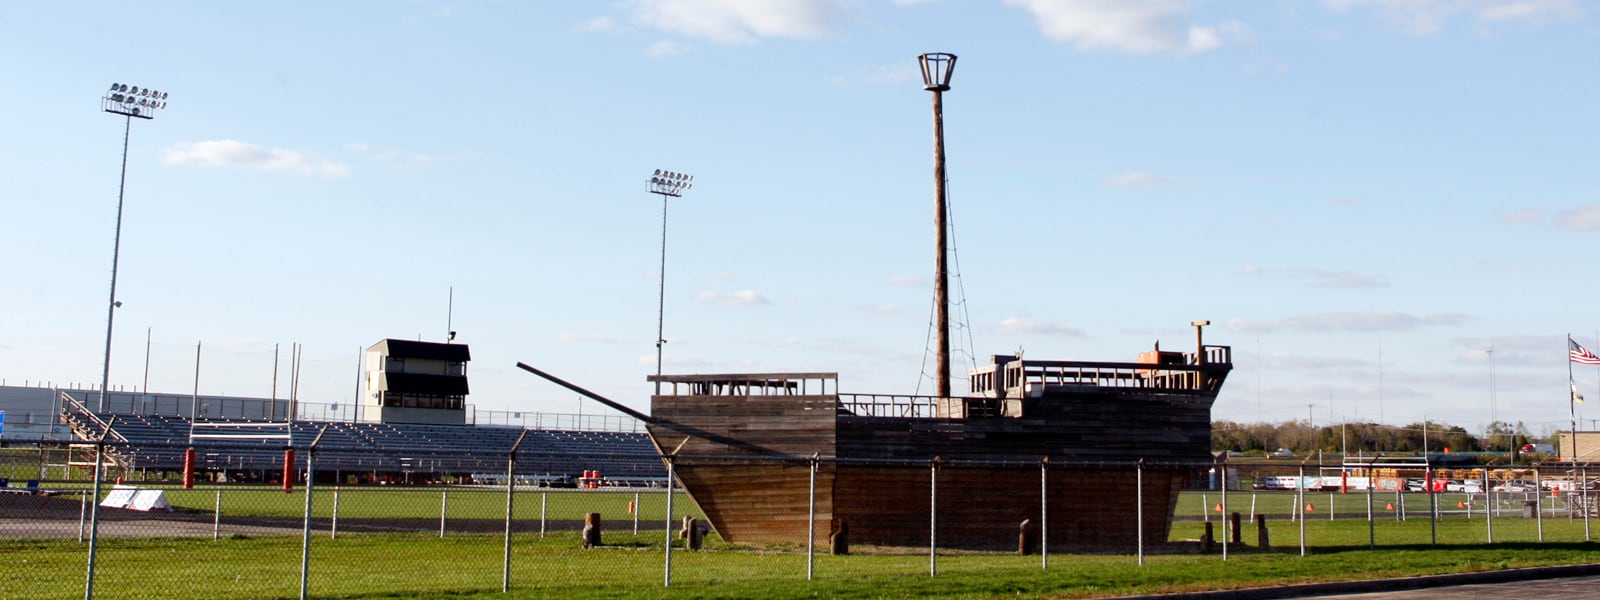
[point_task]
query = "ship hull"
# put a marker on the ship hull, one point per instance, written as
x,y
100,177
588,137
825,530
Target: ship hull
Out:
x,y
747,461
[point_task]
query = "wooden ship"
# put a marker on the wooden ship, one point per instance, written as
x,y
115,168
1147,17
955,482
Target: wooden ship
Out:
x,y
1107,444
1077,432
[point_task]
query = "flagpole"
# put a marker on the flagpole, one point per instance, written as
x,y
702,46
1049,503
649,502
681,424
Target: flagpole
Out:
x,y
1572,409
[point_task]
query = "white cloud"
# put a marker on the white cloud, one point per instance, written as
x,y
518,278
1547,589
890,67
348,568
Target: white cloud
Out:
x,y
1583,218
1146,27
1529,10
1427,16
218,153
601,24
394,156
1140,179
1348,321
665,49
741,297
1036,327
908,281
1512,350
739,21
1526,215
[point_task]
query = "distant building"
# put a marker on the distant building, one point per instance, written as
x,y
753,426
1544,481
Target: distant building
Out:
x,y
416,382
1587,446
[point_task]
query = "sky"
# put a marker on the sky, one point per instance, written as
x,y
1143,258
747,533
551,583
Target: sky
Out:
x,y
1386,208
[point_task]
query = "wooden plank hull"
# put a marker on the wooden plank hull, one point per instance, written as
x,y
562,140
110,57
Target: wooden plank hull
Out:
x,y
978,507
743,446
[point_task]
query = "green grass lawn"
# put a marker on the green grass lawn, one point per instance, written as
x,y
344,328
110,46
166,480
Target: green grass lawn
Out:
x,y
469,566
424,565
458,502
425,503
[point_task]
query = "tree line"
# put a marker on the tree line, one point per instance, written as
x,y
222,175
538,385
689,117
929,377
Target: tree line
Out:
x,y
1301,437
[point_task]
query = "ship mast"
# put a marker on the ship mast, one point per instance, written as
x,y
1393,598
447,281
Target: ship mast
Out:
x,y
936,69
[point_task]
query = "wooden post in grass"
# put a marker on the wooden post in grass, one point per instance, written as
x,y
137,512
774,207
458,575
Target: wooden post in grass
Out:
x,y
839,542
591,530
694,533
1023,541
1262,541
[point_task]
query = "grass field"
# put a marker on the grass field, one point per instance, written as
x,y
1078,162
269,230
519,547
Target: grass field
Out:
x,y
425,503
423,565
470,567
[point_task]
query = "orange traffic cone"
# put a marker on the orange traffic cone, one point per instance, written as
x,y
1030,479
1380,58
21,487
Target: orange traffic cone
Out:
x,y
1461,505
1389,507
1311,507
1219,507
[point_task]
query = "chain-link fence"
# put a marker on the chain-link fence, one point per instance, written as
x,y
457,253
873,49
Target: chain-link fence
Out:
x,y
350,523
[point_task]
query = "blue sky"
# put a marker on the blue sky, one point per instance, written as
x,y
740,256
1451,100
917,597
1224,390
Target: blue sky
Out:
x,y
1362,195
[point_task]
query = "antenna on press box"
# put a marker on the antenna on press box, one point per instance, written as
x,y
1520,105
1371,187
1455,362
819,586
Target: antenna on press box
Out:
x,y
449,316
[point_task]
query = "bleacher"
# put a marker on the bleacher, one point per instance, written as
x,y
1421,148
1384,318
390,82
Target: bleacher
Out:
x,y
157,443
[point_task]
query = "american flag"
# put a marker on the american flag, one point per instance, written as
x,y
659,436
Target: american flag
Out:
x,y
1581,355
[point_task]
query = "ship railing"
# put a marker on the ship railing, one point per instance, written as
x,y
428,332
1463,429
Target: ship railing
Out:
x,y
748,384
889,405
1041,375
1214,355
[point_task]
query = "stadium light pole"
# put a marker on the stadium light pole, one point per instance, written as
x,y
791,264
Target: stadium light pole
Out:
x,y
129,101
665,184
936,70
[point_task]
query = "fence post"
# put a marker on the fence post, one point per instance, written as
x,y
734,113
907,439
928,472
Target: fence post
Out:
x,y
544,505
811,520
1488,505
83,516
511,488
444,504
1433,506
1300,504
671,474
933,517
333,526
1044,513
216,518
636,510
1222,483
305,532
94,509
1538,500
1372,530
1583,488
1138,510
